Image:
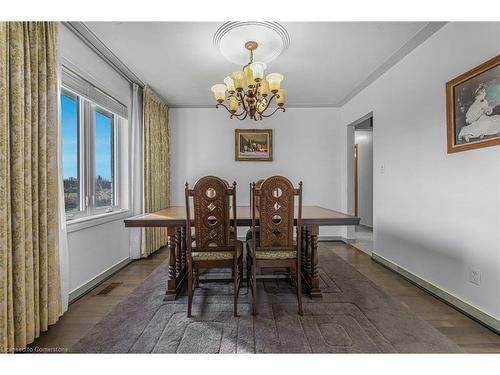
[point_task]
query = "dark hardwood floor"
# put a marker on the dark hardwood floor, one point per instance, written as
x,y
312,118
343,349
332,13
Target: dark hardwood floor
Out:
x,y
471,336
83,314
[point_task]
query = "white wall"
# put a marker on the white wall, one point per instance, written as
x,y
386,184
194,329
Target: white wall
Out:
x,y
95,249
306,142
364,139
435,214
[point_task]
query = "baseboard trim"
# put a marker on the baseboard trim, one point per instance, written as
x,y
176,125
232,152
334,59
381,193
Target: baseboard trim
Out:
x,y
455,302
333,239
96,281
365,226
320,239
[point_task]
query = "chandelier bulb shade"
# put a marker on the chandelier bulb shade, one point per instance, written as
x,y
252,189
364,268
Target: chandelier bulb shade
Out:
x,y
230,85
258,69
233,104
238,77
281,97
274,80
248,91
264,88
219,91
249,76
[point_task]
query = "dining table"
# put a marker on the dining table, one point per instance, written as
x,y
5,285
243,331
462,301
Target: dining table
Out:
x,y
174,220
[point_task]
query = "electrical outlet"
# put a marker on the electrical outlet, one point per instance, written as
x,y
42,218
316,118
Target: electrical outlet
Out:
x,y
475,276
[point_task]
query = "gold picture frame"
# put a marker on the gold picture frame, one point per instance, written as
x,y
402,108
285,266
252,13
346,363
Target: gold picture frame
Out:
x,y
473,108
253,144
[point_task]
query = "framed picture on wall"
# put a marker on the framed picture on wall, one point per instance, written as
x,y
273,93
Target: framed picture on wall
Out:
x,y
253,144
473,108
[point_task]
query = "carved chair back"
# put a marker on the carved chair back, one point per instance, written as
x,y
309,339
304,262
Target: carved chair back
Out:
x,y
213,200
274,203
257,185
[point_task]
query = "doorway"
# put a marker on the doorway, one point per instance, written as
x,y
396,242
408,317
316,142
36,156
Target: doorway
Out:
x,y
360,181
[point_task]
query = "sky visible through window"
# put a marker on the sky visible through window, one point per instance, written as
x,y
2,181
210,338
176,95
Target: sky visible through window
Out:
x,y
103,133
103,148
103,160
69,116
70,140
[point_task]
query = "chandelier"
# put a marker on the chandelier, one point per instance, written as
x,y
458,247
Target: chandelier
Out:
x,y
248,93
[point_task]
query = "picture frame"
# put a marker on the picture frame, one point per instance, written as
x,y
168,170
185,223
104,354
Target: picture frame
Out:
x,y
253,144
473,108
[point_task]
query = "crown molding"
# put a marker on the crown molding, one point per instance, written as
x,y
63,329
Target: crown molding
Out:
x,y
194,106
422,35
91,40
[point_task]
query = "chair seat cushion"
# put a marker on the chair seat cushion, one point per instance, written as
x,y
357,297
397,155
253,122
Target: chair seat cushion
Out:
x,y
217,255
276,254
272,253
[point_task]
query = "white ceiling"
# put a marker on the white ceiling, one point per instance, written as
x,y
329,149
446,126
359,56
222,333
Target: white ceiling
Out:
x,y
325,65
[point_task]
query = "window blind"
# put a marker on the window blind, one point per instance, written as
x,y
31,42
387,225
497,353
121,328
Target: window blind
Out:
x,y
80,86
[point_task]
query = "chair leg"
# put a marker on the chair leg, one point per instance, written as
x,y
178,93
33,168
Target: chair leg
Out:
x,y
254,289
235,288
196,274
240,267
249,271
190,290
298,279
291,272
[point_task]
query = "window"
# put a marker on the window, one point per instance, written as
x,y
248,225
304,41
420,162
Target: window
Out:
x,y
103,140
89,152
71,160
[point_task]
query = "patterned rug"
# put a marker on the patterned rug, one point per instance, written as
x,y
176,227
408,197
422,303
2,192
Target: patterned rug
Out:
x,y
354,316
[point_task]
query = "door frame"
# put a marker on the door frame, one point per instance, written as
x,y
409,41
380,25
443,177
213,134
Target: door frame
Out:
x,y
356,179
350,168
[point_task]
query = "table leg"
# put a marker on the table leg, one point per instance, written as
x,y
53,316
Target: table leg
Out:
x,y
176,273
177,251
304,250
308,254
314,259
171,287
183,248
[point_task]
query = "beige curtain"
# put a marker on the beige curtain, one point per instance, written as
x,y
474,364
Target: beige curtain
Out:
x,y
156,167
30,297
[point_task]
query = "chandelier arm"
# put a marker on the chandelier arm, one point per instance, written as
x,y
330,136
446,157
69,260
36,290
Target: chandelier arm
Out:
x,y
239,114
273,112
268,103
242,98
244,117
223,105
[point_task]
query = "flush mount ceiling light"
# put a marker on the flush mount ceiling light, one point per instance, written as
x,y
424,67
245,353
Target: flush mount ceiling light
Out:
x,y
248,92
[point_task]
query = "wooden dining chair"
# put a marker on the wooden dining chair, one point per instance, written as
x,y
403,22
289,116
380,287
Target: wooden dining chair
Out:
x,y
249,231
273,205
214,245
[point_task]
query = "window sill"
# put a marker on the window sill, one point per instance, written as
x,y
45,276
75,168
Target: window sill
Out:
x,y
91,221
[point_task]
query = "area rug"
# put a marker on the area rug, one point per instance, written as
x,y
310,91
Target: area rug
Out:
x,y
354,316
